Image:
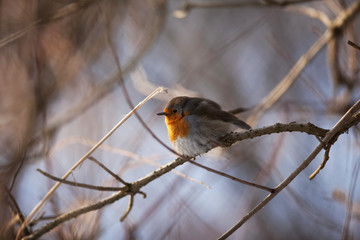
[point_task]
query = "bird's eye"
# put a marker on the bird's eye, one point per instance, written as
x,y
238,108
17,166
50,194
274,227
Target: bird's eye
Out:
x,y
174,111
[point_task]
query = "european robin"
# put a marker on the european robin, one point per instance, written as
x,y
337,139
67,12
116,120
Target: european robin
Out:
x,y
196,124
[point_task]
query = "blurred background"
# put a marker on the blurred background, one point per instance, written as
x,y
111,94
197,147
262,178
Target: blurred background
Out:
x,y
60,94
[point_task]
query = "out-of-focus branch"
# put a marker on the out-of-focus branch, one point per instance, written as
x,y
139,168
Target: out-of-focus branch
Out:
x,y
70,8
333,57
18,216
340,127
265,3
288,80
311,12
340,22
108,85
188,6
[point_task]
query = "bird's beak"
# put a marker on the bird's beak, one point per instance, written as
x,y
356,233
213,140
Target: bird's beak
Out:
x,y
162,113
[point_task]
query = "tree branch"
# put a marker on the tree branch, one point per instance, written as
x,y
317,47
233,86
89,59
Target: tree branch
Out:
x,y
308,128
135,187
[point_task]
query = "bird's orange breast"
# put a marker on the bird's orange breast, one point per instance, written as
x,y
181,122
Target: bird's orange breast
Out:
x,y
177,127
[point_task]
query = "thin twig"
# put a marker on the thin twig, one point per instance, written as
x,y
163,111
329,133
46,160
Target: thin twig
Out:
x,y
352,122
108,170
130,206
323,163
82,185
354,45
231,177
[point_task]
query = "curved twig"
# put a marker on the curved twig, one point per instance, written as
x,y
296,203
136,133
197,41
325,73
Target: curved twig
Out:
x,y
130,206
82,185
231,177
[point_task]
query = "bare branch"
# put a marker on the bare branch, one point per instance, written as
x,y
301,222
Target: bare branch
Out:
x,y
130,206
354,45
82,185
308,128
322,165
108,170
63,12
231,177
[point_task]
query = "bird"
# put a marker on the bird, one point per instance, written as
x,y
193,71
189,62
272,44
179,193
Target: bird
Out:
x,y
195,124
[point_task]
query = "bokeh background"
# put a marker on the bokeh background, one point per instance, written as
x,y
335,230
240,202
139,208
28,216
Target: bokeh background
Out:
x,y
60,94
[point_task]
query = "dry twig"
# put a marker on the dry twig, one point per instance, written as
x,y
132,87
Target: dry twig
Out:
x,y
108,170
130,206
231,177
82,185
